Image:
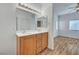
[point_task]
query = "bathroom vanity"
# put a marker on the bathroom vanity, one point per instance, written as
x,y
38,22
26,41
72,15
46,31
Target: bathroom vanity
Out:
x,y
32,43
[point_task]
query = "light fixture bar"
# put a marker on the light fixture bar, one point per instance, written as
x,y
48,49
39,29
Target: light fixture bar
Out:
x,y
27,7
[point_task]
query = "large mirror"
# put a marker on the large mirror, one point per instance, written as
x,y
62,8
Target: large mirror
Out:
x,y
29,20
25,20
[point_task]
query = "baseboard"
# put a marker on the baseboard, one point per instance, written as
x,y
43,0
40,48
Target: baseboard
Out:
x,y
67,37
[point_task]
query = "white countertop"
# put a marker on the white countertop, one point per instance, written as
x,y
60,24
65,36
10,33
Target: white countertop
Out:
x,y
29,32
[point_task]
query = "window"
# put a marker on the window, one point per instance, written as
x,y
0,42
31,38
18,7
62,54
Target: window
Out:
x,y
74,25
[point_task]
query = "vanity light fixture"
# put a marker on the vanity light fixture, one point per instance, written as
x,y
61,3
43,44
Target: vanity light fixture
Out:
x,y
28,7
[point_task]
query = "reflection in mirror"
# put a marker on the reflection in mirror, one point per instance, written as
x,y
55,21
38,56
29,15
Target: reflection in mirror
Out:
x,y
42,22
24,20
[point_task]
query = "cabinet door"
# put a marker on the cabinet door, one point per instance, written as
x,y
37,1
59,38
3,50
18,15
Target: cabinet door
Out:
x,y
38,50
27,45
44,40
38,42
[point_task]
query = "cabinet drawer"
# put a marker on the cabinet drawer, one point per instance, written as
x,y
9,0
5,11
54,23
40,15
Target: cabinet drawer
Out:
x,y
26,37
38,36
45,34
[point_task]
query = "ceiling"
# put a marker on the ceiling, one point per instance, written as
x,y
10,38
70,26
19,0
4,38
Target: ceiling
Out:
x,y
40,6
60,7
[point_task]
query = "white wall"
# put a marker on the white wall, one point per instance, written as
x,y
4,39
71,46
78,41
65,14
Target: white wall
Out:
x,y
25,20
49,13
64,25
7,29
55,31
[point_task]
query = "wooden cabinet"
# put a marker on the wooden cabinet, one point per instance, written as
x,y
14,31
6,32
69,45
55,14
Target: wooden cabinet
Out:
x,y
32,44
27,45
38,43
38,40
44,40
